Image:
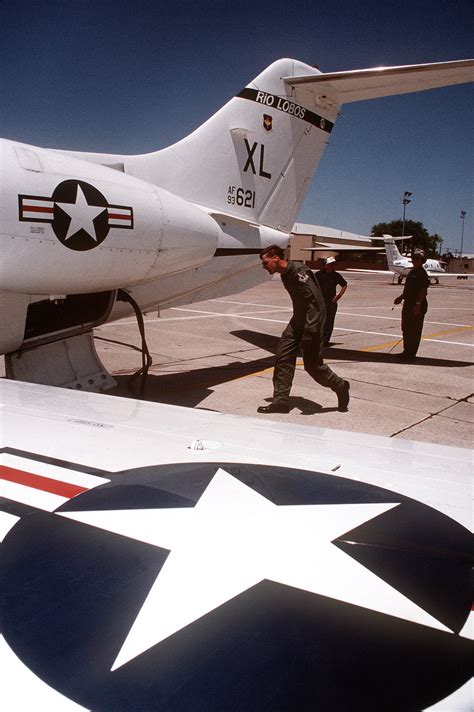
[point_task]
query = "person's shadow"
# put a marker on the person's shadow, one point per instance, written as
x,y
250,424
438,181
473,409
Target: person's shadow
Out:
x,y
305,406
270,343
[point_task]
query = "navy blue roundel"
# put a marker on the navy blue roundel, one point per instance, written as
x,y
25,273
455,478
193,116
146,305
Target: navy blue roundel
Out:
x,y
81,219
172,588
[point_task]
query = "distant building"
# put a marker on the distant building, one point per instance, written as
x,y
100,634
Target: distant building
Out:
x,y
461,264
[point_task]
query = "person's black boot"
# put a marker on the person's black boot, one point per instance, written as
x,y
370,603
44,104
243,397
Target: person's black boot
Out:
x,y
274,408
343,398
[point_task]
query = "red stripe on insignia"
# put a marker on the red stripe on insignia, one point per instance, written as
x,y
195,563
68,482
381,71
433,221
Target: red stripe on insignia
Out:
x,y
117,216
36,209
46,484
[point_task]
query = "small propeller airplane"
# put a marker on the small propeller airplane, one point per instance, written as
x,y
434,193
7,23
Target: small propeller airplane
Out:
x,y
84,237
401,264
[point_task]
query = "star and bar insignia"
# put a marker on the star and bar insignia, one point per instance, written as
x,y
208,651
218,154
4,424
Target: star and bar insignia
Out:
x,y
79,214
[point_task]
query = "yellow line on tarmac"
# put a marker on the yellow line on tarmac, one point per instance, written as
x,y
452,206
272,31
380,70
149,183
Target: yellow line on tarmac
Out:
x,y
448,331
256,373
391,344
299,364
387,344
376,347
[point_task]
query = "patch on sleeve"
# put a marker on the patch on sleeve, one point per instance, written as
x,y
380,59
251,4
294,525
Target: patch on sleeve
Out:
x,y
303,277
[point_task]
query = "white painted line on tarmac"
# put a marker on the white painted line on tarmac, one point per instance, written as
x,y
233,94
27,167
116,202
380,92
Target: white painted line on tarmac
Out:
x,y
395,336
397,318
337,328
246,304
204,315
373,333
241,316
399,336
339,313
199,314
440,341
258,311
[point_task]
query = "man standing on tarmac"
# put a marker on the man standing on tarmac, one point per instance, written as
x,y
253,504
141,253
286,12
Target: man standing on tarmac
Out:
x,y
328,280
415,306
305,330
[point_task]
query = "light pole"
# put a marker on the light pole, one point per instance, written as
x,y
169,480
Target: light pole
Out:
x,y
405,201
462,216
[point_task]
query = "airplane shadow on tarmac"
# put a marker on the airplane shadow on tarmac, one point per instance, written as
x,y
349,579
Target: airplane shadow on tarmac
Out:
x,y
270,343
186,388
190,387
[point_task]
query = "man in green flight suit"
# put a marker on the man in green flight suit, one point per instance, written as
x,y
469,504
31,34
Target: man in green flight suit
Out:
x,y
305,331
415,306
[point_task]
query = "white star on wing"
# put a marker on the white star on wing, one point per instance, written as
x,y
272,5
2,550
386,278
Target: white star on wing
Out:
x,y
82,215
232,539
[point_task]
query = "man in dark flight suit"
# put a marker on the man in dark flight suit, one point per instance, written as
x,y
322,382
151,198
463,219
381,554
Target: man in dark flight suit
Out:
x,y
415,306
328,280
305,330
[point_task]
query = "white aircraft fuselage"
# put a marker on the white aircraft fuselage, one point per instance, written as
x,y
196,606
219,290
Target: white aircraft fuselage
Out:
x,y
78,230
402,267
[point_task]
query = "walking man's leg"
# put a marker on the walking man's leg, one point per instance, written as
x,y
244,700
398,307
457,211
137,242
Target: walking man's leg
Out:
x,y
322,374
283,373
284,369
412,328
331,309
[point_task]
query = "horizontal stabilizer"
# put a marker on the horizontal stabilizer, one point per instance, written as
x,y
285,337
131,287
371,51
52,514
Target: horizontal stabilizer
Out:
x,y
398,238
353,245
360,84
228,217
340,248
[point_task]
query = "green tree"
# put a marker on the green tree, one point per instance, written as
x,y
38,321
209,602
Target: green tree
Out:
x,y
420,235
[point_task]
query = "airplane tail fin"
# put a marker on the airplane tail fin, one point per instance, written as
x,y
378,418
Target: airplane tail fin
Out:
x,y
255,157
392,251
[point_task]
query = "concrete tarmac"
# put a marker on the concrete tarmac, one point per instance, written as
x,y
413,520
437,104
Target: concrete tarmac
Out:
x,y
218,355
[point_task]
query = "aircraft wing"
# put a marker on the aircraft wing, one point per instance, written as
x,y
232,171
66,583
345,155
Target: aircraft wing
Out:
x,y
430,273
359,85
340,248
458,275
155,556
369,271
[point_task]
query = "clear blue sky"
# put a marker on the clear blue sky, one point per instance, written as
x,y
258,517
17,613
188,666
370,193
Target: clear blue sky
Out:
x,y
132,77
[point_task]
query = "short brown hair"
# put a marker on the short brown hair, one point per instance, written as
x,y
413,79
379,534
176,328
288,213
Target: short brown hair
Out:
x,y
273,251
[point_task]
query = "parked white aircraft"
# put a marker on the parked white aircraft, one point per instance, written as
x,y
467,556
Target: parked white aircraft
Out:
x,y
81,234
155,557
401,264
